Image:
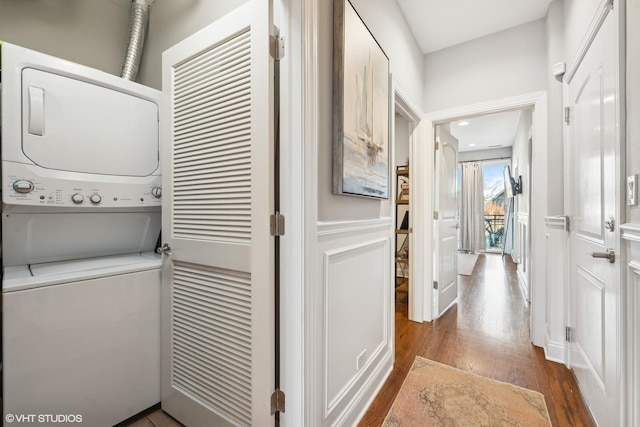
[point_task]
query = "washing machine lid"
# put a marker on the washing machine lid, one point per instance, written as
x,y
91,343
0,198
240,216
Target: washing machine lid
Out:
x,y
34,276
105,264
78,126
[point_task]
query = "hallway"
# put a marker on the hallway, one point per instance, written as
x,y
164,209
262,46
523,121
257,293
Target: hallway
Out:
x,y
486,333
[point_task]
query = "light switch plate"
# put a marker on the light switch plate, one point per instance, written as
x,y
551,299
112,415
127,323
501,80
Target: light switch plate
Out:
x,y
632,190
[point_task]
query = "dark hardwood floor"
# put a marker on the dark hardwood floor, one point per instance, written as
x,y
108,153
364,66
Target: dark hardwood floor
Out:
x,y
486,333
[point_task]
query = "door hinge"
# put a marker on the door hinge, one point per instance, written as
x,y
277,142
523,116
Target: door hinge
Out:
x,y
277,224
436,145
568,334
567,115
277,401
435,214
435,284
276,47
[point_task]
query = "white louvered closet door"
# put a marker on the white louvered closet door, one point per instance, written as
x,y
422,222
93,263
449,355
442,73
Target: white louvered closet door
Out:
x,y
218,291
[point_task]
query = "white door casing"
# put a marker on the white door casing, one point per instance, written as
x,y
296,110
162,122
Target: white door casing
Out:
x,y
420,243
446,224
595,314
538,209
218,270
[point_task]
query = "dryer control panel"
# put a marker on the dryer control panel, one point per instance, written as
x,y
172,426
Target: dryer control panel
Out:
x,y
25,185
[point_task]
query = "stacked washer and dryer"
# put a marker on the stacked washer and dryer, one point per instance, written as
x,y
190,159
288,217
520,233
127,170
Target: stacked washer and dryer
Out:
x,y
80,222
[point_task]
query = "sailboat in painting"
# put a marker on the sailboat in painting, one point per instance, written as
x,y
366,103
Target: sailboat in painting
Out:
x,y
365,160
364,114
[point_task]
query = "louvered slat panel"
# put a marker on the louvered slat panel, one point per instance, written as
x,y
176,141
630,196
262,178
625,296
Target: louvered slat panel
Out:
x,y
211,143
211,58
212,338
239,138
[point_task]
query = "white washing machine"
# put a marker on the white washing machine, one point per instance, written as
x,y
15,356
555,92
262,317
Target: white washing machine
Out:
x,y
80,220
82,338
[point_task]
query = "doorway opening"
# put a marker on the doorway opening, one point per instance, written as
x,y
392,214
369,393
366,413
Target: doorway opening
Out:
x,y
495,153
401,171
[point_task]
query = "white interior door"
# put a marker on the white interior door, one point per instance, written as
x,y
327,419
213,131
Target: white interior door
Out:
x,y
446,224
218,271
595,313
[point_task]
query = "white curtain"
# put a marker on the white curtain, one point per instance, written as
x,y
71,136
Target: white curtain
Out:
x,y
472,208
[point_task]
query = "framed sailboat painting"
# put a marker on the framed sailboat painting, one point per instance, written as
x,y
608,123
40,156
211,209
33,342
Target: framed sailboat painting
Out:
x,y
360,108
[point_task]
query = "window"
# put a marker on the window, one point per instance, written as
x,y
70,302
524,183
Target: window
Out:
x,y
494,204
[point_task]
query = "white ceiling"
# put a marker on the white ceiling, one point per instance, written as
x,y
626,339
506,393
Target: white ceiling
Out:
x,y
486,132
438,24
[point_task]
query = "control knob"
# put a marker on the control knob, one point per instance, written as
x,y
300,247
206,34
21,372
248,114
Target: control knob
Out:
x,y
77,198
95,198
23,186
156,192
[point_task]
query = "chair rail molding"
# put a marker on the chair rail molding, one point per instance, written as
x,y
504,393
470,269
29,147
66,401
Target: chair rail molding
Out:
x,y
630,232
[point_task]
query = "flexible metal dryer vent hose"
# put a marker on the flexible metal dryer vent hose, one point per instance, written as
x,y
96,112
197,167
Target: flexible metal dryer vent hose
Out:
x,y
138,21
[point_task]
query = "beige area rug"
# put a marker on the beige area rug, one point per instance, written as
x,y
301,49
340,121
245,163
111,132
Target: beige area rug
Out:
x,y
466,262
434,394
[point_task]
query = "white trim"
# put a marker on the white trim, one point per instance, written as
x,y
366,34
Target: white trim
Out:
x,y
554,351
421,155
292,244
598,19
411,112
630,232
327,228
539,192
484,108
312,363
558,221
379,376
403,104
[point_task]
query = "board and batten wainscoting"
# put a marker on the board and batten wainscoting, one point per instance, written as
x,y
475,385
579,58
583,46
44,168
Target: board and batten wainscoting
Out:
x,y
631,237
556,255
354,304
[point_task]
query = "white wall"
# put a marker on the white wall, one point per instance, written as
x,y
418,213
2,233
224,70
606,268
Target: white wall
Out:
x,y
172,21
401,140
555,151
501,65
633,212
354,241
386,22
521,159
88,32
633,99
94,32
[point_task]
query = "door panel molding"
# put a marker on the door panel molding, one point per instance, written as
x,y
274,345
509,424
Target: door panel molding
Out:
x,y
601,14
